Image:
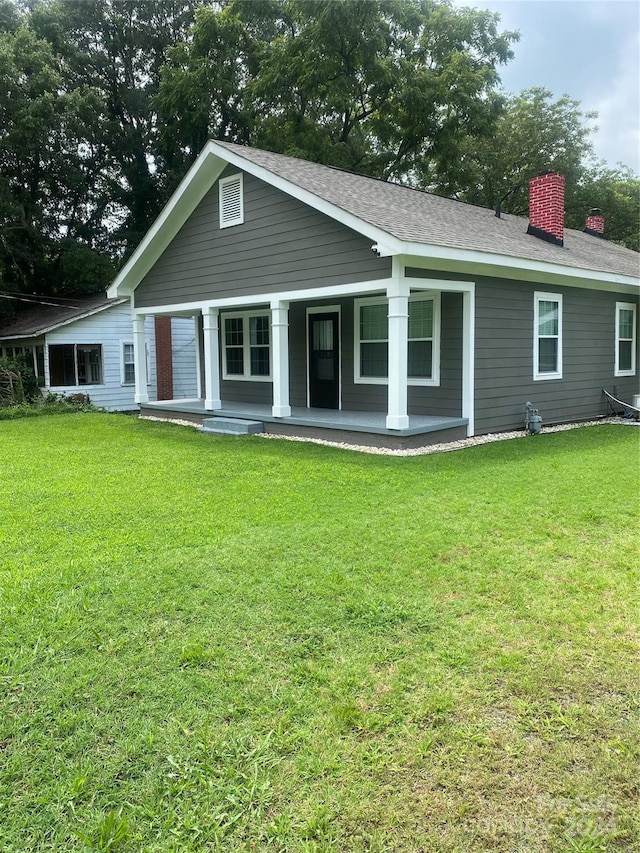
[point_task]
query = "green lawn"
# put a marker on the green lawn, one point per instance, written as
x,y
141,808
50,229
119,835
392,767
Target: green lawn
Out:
x,y
244,645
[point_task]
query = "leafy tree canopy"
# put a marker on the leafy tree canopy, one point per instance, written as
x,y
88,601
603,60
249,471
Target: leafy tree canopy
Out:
x,y
536,132
616,191
105,103
83,176
385,87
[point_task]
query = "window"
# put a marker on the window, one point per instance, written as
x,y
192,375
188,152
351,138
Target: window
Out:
x,y
374,347
75,364
625,339
547,336
231,201
128,364
39,365
372,340
246,339
15,352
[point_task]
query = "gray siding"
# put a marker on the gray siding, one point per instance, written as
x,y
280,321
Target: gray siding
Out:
x,y
282,244
504,353
446,399
183,351
504,356
443,400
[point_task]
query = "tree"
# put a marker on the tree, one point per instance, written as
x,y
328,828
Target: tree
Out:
x,y
203,88
46,178
116,49
83,174
616,191
533,133
384,87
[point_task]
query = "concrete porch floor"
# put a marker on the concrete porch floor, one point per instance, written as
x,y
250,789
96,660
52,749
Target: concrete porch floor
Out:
x,y
332,424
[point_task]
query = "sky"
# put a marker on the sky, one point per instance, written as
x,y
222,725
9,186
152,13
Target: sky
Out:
x,y
587,49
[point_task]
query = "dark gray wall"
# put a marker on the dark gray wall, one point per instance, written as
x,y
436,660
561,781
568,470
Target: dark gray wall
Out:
x,y
443,400
504,354
282,244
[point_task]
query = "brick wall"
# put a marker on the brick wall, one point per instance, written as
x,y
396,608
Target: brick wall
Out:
x,y
164,358
546,204
595,221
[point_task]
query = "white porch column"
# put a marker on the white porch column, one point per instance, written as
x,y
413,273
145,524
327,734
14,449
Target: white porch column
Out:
x,y
280,358
140,360
398,296
468,357
211,336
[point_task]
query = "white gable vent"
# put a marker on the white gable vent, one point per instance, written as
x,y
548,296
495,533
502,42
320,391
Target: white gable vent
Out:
x,y
231,201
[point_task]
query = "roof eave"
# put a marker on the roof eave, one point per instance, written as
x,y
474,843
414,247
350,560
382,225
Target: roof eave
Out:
x,y
44,330
189,193
214,158
505,266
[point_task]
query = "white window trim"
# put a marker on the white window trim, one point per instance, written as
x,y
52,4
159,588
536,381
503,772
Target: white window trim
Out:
x,y
226,222
626,306
539,297
246,346
124,341
123,380
434,380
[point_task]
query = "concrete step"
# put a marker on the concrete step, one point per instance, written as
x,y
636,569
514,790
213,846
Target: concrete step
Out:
x,y
232,426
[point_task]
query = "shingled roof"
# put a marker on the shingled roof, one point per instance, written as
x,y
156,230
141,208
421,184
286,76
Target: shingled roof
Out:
x,y
415,216
43,314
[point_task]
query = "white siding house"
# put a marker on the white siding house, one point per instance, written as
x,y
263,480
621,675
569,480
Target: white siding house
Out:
x,y
94,355
183,351
85,345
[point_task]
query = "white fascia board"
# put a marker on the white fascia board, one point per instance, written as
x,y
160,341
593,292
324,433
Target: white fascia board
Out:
x,y
369,288
188,195
190,308
52,328
504,266
388,245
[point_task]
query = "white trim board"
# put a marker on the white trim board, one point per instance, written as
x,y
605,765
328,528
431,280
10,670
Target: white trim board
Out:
x,y
214,158
59,324
373,288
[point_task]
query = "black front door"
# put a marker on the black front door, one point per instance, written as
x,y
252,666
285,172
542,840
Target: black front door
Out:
x,y
324,361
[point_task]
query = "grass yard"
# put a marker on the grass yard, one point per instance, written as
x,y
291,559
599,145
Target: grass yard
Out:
x,y
232,644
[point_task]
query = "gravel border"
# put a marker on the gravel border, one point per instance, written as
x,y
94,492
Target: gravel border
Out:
x,y
442,447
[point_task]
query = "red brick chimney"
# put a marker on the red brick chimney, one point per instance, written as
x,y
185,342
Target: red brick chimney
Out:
x,y
595,223
546,207
164,359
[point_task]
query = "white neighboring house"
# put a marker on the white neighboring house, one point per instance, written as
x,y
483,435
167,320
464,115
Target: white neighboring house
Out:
x,y
84,345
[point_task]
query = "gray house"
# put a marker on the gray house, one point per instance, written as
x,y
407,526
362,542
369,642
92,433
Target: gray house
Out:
x,y
331,303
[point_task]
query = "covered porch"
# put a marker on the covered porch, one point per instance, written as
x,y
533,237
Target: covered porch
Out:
x,y
389,363
363,428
